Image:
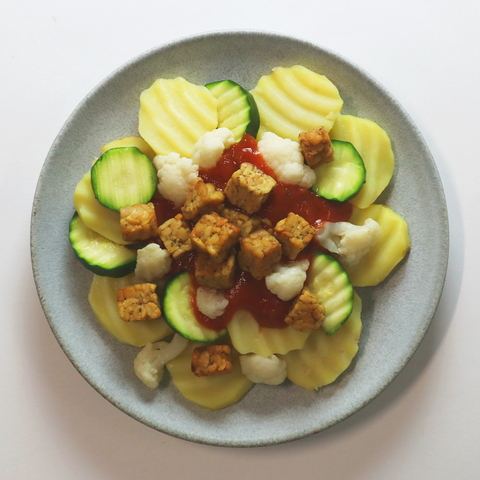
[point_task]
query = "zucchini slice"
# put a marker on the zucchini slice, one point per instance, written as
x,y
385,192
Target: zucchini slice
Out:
x,y
343,178
178,311
122,177
328,280
100,255
236,108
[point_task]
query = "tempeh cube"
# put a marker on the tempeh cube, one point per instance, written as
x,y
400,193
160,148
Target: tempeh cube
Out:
x,y
294,233
244,222
202,199
175,235
214,235
307,313
316,146
138,302
213,274
259,253
138,222
249,187
211,360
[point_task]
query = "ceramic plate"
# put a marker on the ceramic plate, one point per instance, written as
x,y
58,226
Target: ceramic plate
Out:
x,y
396,313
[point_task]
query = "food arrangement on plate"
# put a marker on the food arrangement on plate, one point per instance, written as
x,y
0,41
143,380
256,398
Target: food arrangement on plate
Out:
x,y
236,227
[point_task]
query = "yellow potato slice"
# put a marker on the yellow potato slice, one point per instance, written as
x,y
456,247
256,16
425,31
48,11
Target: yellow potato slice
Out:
x,y
95,216
248,337
214,392
324,357
103,300
373,145
131,141
174,114
392,245
292,100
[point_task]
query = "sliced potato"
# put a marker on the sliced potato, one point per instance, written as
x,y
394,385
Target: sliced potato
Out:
x,y
174,114
212,392
373,145
324,357
248,337
392,245
103,300
131,141
292,100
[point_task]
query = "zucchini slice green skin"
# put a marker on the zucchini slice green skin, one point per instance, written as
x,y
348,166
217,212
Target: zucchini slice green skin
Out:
x,y
343,178
237,109
122,177
178,311
98,254
329,281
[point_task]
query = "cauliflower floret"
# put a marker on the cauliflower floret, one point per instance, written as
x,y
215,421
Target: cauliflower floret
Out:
x,y
258,369
286,158
153,262
177,177
150,360
211,302
208,150
287,281
350,241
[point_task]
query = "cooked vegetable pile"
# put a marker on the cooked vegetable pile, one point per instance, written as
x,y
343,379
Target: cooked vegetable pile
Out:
x,y
247,253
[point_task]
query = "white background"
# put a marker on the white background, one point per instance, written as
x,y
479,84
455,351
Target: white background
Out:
x,y
425,425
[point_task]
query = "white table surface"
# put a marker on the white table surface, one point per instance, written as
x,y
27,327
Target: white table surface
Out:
x,y
426,424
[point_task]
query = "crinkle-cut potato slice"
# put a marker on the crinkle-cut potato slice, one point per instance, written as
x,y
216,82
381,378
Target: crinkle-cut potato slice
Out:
x,y
248,337
103,300
392,245
324,357
131,141
174,114
292,100
95,216
212,392
375,148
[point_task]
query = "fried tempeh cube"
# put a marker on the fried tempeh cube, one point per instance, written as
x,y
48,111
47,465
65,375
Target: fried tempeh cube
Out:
x,y
138,302
294,233
175,235
259,253
202,199
316,146
307,313
249,187
211,360
138,222
244,222
214,235
214,274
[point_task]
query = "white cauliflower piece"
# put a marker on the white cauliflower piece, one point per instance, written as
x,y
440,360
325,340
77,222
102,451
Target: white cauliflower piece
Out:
x,y
209,148
151,359
211,302
177,177
153,263
350,241
258,369
286,159
286,281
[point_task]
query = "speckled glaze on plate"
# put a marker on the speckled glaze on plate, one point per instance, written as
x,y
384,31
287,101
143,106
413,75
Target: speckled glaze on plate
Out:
x,y
393,327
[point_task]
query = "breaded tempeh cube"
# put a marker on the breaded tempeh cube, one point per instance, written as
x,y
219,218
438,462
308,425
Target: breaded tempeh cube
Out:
x,y
202,199
294,233
138,302
307,313
244,222
138,222
249,187
213,274
259,253
316,146
214,235
175,235
211,360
